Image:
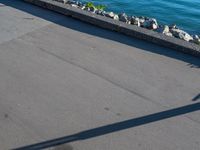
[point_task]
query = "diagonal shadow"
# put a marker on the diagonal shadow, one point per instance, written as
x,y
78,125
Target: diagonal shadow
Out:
x,y
74,24
115,127
197,97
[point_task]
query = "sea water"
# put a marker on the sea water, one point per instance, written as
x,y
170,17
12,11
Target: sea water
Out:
x,y
184,13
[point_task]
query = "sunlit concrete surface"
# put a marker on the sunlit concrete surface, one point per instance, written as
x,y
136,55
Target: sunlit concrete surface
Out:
x,y
59,77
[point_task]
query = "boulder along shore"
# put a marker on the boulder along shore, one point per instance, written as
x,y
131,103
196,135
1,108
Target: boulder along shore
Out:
x,y
140,21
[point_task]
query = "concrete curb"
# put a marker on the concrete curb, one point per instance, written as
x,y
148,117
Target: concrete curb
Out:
x,y
121,27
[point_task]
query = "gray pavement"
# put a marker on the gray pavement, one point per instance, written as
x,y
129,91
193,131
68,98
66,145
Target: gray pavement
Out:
x,y
59,77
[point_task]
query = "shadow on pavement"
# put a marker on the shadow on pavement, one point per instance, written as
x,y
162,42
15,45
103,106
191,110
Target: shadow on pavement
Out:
x,y
115,127
197,97
89,29
74,24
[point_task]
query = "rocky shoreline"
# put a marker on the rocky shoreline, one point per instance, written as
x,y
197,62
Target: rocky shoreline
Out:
x,y
140,21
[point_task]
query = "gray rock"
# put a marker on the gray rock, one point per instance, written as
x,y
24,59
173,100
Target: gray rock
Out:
x,y
181,34
102,13
86,8
70,2
64,1
142,20
154,26
73,2
154,21
92,9
168,34
109,14
74,5
141,17
99,12
163,29
123,17
196,39
112,15
173,26
185,36
128,22
116,17
82,7
146,23
166,29
150,24
135,21
79,3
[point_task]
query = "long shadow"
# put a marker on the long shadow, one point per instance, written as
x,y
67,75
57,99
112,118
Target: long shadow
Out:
x,y
90,29
197,97
100,131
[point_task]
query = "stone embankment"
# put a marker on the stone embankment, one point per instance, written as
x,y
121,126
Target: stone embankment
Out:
x,y
143,28
144,22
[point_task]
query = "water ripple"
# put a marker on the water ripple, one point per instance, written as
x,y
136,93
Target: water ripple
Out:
x,y
185,13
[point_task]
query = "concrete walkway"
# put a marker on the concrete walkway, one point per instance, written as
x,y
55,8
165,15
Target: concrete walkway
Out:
x,y
59,77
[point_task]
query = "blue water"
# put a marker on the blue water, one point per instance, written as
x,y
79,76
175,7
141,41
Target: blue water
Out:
x,y
184,13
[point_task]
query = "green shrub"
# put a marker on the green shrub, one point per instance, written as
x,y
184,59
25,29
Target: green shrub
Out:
x,y
100,7
90,5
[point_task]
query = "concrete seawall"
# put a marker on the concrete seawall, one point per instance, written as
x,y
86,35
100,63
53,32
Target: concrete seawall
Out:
x,y
130,30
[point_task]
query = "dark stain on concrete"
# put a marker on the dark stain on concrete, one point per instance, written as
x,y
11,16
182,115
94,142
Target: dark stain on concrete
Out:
x,y
118,114
107,108
28,18
5,116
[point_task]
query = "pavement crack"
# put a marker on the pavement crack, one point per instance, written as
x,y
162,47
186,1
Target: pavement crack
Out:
x,y
110,81
100,76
